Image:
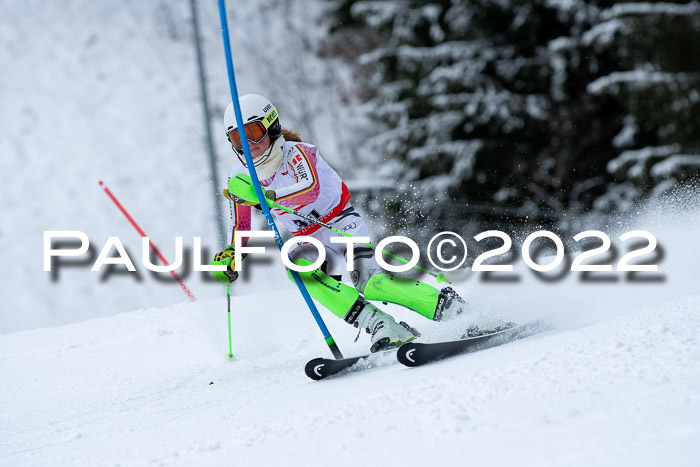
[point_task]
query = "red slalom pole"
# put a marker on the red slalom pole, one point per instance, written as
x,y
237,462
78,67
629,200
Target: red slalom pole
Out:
x,y
143,234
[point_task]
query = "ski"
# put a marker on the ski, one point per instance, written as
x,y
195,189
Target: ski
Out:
x,y
415,354
320,368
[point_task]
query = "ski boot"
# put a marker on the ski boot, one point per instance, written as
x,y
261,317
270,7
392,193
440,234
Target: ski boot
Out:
x,y
449,305
386,333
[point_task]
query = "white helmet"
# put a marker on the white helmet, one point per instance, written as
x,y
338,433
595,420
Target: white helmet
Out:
x,y
254,108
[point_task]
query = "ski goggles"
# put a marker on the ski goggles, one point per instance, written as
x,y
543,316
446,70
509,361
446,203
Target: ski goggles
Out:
x,y
254,131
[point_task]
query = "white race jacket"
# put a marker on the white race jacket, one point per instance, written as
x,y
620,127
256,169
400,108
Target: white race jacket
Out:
x,y
304,182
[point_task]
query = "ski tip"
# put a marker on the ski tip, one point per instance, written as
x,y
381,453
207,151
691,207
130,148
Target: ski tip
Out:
x,y
315,369
406,354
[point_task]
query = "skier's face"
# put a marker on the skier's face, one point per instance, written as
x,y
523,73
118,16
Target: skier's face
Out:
x,y
258,149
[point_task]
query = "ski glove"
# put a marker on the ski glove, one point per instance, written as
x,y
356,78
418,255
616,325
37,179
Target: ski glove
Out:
x,y
269,194
227,258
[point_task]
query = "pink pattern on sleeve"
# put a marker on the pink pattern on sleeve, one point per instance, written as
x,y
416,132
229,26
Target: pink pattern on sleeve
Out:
x,y
241,221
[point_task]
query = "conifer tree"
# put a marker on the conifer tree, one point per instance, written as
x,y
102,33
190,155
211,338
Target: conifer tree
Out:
x,y
535,106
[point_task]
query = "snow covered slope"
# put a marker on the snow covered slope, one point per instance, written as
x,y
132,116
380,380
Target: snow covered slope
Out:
x,y
137,388
616,382
108,90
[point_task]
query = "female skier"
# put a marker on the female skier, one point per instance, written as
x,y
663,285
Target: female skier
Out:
x,y
293,174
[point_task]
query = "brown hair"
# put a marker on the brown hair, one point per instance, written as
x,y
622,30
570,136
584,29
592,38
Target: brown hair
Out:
x,y
291,135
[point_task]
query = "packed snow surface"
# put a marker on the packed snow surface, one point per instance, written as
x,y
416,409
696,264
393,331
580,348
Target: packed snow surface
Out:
x,y
616,381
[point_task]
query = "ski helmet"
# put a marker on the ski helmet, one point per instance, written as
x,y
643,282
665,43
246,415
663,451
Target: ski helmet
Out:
x,y
260,118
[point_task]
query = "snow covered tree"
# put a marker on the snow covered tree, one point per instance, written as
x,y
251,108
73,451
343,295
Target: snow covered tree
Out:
x,y
534,106
656,82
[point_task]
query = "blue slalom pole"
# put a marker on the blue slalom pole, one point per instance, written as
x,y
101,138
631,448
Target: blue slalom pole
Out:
x,y
256,183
